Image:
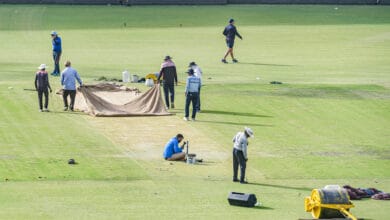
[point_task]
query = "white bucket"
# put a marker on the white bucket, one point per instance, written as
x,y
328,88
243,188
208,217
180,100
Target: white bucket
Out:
x,y
191,159
149,82
125,76
134,79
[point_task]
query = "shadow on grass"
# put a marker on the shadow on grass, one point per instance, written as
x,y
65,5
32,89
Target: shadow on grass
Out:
x,y
282,187
258,207
234,113
68,112
207,163
235,123
263,207
265,64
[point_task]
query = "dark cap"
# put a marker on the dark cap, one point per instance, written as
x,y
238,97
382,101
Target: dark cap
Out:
x,y
167,57
231,20
190,71
192,64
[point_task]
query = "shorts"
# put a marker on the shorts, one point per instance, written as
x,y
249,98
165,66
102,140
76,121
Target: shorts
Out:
x,y
229,43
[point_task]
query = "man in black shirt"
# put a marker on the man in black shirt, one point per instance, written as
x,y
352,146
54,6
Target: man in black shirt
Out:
x,y
42,86
230,33
169,75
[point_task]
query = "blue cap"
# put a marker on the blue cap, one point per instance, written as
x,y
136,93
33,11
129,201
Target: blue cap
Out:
x,y
53,33
231,20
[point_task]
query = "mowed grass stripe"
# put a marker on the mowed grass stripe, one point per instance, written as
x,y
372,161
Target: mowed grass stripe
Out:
x,y
332,54
97,17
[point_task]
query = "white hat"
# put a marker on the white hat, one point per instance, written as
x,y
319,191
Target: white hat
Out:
x,y
249,132
53,33
42,66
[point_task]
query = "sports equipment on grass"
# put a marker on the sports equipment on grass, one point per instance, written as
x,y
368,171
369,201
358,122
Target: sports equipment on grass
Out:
x,y
329,202
107,99
242,199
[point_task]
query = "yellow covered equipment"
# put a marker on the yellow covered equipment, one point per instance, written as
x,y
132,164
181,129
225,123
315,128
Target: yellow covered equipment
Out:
x,y
151,76
329,202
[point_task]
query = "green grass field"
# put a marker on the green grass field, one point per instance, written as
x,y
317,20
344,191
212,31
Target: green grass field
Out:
x,y
328,123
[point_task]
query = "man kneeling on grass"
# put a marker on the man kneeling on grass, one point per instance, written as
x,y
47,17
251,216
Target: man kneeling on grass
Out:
x,y
172,151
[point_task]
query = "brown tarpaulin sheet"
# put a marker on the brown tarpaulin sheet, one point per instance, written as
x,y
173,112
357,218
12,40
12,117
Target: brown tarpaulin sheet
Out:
x,y
112,100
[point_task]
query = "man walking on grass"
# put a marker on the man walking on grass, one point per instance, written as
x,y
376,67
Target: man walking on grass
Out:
x,y
240,156
192,93
57,50
42,86
169,75
197,73
68,81
230,33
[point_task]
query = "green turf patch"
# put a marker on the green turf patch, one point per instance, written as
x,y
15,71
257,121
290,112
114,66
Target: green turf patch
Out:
x,y
84,17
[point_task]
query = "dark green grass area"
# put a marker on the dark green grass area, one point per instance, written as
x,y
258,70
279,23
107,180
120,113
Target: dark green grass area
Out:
x,y
354,92
97,17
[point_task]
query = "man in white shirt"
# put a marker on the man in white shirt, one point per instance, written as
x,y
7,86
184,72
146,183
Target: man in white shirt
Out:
x,y
240,156
192,92
198,74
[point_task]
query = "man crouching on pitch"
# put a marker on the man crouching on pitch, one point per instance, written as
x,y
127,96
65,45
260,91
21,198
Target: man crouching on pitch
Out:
x,y
240,156
172,151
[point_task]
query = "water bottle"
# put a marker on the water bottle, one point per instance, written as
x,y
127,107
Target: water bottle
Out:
x,y
125,76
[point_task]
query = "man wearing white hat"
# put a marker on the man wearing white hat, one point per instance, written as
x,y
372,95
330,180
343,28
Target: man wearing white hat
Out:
x,y
57,50
42,86
240,156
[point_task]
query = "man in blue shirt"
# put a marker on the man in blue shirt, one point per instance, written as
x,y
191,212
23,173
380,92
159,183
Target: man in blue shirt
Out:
x,y
230,33
172,151
192,93
57,50
68,81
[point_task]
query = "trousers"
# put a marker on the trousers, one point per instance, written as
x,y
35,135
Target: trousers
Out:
x,y
238,160
42,92
198,103
191,97
72,94
169,89
56,58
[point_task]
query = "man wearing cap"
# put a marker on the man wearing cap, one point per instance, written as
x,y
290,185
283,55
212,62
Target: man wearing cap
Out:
x,y
240,156
230,33
198,74
57,50
68,81
42,86
172,151
169,75
192,92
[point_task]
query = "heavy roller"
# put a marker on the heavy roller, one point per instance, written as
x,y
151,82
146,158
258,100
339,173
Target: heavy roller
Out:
x,y
330,202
